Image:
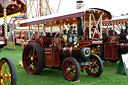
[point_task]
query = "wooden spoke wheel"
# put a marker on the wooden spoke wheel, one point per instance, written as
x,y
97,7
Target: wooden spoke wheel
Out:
x,y
33,58
96,66
7,72
71,69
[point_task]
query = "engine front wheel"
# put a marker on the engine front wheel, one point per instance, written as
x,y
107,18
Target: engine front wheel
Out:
x,y
96,66
71,69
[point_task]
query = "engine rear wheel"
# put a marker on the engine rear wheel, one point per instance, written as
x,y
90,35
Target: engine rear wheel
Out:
x,y
7,72
96,66
71,69
33,58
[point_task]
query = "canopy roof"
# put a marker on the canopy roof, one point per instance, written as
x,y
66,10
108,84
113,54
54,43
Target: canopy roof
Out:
x,y
106,15
67,17
50,18
117,20
12,6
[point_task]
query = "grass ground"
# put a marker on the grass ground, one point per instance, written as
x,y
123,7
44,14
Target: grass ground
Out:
x,y
55,77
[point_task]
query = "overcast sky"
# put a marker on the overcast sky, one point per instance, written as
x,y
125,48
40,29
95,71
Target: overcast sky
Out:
x,y
116,7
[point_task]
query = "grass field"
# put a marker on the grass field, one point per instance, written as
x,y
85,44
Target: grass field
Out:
x,y
55,77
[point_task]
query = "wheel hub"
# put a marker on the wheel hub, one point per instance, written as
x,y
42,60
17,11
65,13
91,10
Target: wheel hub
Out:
x,y
94,66
32,58
7,76
68,69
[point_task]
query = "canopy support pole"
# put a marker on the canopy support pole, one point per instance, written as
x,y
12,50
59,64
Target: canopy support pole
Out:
x,y
90,26
5,23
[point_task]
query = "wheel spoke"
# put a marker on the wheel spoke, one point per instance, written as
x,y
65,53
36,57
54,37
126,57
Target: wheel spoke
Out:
x,y
67,65
5,82
10,80
29,62
34,51
29,66
94,70
5,68
36,62
69,74
70,64
95,61
34,67
35,57
31,52
73,68
27,57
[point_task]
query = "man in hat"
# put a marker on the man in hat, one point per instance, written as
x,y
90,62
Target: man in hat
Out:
x,y
80,4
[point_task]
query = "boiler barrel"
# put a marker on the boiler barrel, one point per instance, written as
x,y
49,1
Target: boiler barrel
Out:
x,y
81,55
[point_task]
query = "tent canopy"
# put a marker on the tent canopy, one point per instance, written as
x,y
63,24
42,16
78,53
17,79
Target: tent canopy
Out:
x,y
12,6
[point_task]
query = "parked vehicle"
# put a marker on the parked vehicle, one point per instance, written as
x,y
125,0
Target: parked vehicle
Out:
x,y
69,50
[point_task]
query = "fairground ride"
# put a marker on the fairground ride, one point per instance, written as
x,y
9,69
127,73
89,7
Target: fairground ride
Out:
x,y
35,8
7,71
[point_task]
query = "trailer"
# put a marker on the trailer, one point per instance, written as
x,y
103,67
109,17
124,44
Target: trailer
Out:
x,y
115,40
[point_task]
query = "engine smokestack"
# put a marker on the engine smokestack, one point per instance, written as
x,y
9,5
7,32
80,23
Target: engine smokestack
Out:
x,y
80,26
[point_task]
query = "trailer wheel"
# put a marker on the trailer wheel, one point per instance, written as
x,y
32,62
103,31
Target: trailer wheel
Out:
x,y
96,66
7,72
33,58
71,69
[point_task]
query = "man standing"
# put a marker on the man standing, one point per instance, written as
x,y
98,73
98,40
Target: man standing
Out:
x,y
80,4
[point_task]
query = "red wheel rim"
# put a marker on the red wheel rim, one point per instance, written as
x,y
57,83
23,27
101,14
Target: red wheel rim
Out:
x,y
69,69
30,59
94,68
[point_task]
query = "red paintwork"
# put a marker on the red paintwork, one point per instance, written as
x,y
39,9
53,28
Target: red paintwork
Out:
x,y
92,32
110,51
52,51
56,53
56,42
82,44
48,57
39,41
52,57
67,50
113,39
111,48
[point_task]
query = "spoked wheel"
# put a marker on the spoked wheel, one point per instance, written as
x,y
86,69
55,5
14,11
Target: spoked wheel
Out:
x,y
7,72
33,58
96,66
71,69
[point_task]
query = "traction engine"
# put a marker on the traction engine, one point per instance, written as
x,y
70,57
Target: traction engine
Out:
x,y
68,50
